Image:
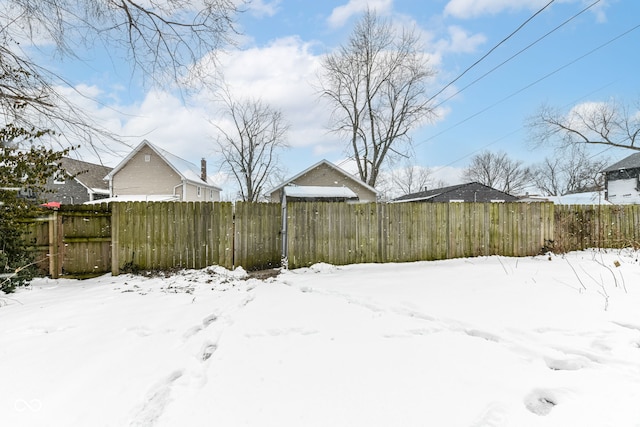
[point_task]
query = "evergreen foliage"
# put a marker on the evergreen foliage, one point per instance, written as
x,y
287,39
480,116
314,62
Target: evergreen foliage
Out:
x,y
23,172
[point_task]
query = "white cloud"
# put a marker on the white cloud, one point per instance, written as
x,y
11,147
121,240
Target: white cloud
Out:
x,y
460,41
341,14
465,9
261,8
283,74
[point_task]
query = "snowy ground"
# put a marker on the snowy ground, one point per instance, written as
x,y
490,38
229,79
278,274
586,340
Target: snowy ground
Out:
x,y
471,342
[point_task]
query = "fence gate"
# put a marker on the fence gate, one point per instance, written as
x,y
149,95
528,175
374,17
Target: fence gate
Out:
x,y
74,241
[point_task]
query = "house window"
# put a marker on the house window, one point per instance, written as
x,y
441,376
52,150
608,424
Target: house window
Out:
x,y
199,190
59,178
211,194
147,158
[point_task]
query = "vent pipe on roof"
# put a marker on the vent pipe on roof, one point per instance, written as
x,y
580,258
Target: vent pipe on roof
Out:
x,y
203,170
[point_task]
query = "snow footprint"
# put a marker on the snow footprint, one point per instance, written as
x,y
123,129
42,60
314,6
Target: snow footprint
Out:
x,y
207,351
566,364
156,401
206,322
542,401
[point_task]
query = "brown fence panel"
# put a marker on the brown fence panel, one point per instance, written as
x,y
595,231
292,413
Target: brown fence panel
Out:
x,y
607,226
258,237
86,240
340,233
36,237
166,235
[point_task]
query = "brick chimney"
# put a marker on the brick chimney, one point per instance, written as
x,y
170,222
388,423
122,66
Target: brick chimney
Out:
x,y
203,170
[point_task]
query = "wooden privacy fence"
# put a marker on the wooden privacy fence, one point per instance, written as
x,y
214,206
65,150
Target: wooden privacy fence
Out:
x,y
76,240
354,233
85,240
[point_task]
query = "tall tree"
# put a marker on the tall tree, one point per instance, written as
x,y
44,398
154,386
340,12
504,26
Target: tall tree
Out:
x,y
250,144
376,85
570,170
499,171
596,123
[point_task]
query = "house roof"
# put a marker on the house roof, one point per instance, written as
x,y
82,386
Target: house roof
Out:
x,y
630,162
319,192
587,198
184,168
458,192
88,174
136,198
330,165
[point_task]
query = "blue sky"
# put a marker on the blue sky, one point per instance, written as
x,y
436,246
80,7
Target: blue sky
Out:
x,y
283,41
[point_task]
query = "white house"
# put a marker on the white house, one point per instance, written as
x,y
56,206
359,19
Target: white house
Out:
x,y
622,181
151,173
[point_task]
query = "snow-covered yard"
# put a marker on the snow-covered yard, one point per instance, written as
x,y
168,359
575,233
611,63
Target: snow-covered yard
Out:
x,y
544,341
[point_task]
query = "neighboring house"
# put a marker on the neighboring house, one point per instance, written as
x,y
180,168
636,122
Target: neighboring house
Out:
x,y
78,182
622,181
470,192
324,181
151,173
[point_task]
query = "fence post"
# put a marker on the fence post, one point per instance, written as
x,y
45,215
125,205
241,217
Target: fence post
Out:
x,y
55,245
115,232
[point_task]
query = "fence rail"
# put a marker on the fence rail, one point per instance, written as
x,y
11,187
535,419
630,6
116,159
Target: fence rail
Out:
x,y
85,240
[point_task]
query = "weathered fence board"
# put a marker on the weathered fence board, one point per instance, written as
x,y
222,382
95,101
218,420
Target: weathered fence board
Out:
x,y
258,239
579,227
86,240
158,235
401,232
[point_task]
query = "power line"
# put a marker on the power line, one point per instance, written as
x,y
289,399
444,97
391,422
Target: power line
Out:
x,y
514,55
546,76
492,49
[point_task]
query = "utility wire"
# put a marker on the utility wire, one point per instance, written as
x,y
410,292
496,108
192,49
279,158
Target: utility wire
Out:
x,y
514,55
492,49
482,58
546,76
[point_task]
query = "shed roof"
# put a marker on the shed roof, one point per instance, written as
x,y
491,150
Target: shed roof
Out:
x,y
319,192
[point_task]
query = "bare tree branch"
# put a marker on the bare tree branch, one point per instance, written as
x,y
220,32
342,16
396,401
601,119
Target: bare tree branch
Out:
x,y
250,150
498,171
376,84
603,123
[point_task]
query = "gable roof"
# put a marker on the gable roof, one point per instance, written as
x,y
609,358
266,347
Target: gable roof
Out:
x,y
479,191
184,168
330,165
88,174
630,162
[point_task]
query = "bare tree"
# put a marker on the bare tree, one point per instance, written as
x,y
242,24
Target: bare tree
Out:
x,y
250,150
376,85
570,170
606,123
163,40
498,171
411,179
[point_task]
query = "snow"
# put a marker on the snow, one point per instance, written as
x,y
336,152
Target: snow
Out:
x,y
493,341
319,191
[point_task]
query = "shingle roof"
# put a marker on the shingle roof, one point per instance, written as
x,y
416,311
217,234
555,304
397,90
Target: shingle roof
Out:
x,y
88,174
473,190
632,161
